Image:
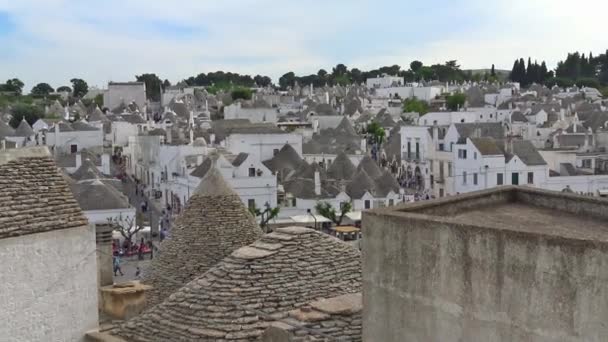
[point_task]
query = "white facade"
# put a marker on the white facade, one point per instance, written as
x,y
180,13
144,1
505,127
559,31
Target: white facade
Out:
x,y
263,146
49,288
125,92
421,93
255,115
122,130
102,216
471,116
384,82
67,141
474,171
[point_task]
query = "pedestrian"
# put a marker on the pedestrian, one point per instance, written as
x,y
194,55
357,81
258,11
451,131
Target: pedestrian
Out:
x,y
137,272
146,204
143,207
116,262
140,250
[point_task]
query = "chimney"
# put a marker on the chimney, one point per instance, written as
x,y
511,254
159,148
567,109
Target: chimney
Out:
x,y
363,146
212,139
78,160
574,126
327,97
105,163
317,183
169,136
562,114
199,160
191,136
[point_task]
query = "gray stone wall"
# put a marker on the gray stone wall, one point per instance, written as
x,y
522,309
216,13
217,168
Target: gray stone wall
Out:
x,y
432,281
48,286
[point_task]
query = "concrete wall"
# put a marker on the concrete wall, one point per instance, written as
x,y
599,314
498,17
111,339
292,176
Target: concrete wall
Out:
x,y
48,290
430,280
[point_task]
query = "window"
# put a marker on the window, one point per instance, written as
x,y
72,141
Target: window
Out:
x,y
490,116
441,194
515,178
464,177
475,155
409,150
462,154
432,168
499,179
441,170
475,179
441,147
252,172
449,169
432,182
251,204
587,163
530,177
367,204
391,202
417,150
73,148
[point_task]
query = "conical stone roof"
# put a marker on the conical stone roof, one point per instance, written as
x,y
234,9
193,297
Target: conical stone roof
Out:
x,y
370,167
24,129
214,224
360,184
287,158
87,170
341,168
6,130
255,285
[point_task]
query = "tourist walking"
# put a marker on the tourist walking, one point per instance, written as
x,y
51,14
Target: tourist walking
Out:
x,y
116,262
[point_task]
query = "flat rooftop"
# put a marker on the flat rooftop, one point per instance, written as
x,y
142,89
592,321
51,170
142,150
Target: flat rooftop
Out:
x,y
517,209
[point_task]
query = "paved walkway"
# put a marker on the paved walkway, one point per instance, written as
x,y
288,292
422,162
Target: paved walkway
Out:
x,y
153,215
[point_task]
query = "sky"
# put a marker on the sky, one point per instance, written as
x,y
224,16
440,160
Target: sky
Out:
x,y
54,41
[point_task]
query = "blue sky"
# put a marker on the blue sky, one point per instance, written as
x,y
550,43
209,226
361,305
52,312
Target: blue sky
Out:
x,y
55,40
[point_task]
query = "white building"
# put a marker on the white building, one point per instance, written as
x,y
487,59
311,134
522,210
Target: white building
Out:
x,y
254,113
385,81
421,93
66,137
263,145
49,287
122,93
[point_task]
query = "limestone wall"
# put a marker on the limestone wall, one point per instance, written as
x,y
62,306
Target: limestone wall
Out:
x,y
432,281
48,286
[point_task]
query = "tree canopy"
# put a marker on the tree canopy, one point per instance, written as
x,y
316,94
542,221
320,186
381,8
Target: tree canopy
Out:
x,y
456,101
241,93
413,105
81,88
64,88
30,112
13,85
153,85
42,89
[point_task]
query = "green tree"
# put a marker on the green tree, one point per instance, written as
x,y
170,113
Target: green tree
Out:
x,y
327,210
413,105
288,80
416,66
265,215
42,89
153,85
64,89
31,113
241,93
98,100
166,84
262,81
81,88
13,85
376,132
493,71
339,70
456,101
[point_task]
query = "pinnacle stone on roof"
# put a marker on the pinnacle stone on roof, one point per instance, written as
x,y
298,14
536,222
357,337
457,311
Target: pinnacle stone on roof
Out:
x,y
370,167
214,224
251,288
